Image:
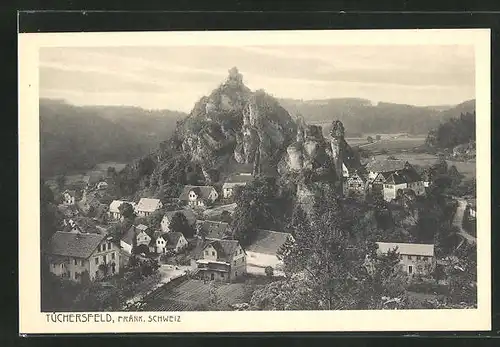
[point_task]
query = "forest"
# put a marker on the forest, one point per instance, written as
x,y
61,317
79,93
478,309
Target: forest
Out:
x,y
74,139
454,132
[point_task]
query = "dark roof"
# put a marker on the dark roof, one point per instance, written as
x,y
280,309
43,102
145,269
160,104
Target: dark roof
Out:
x,y
224,248
216,230
268,241
172,238
404,176
71,192
189,214
239,178
349,158
94,177
79,245
386,165
202,191
129,235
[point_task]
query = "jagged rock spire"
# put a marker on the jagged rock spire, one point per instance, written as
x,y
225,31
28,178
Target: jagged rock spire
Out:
x,y
235,76
337,129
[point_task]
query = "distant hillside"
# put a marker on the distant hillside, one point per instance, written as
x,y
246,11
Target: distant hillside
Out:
x,y
75,138
361,116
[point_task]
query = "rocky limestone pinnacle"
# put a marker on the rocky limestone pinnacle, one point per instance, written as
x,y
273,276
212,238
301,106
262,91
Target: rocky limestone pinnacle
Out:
x,y
337,129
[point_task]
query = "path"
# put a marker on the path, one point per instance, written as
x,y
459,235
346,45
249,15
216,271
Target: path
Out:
x,y
458,218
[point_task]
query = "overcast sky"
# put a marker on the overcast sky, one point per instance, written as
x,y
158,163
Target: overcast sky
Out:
x,y
176,77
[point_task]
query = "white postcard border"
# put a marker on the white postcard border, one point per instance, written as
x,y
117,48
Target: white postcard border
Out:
x,y
33,321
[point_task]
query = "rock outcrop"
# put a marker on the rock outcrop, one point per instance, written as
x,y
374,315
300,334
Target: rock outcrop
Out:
x,y
236,124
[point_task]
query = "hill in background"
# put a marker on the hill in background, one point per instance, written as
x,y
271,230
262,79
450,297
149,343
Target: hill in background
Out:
x,y
361,116
75,138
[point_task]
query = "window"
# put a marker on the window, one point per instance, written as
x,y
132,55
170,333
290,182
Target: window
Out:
x,y
410,257
206,252
62,266
104,258
222,275
410,269
113,255
109,245
76,262
81,262
418,257
213,253
236,273
97,260
113,268
235,262
212,276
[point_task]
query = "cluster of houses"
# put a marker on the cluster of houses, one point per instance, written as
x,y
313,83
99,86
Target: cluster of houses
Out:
x,y
388,178
214,253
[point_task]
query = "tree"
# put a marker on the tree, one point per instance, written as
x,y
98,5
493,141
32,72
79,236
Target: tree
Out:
x,y
269,271
127,211
179,223
254,208
369,139
226,217
60,181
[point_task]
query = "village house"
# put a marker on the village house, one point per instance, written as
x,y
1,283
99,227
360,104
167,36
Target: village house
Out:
x,y
233,181
114,208
471,206
69,197
102,185
146,206
198,196
135,236
376,167
167,218
171,241
416,259
263,252
71,254
92,180
399,180
356,182
220,260
214,229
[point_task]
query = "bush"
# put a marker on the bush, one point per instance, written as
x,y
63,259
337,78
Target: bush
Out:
x,y
269,271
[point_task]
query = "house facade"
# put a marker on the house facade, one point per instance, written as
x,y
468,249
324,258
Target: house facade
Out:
x,y
238,180
221,260
172,241
167,218
355,182
102,185
264,250
72,254
114,209
397,180
69,197
416,259
199,196
147,206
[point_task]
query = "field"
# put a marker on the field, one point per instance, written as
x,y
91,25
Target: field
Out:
x,y
393,144
424,159
188,294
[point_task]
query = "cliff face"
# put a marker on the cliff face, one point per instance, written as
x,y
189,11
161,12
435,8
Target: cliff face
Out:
x,y
235,124
310,152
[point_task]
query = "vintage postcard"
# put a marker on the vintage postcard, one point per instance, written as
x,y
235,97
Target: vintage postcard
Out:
x,y
254,181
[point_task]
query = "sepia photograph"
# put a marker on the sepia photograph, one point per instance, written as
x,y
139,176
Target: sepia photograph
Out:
x,y
257,177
